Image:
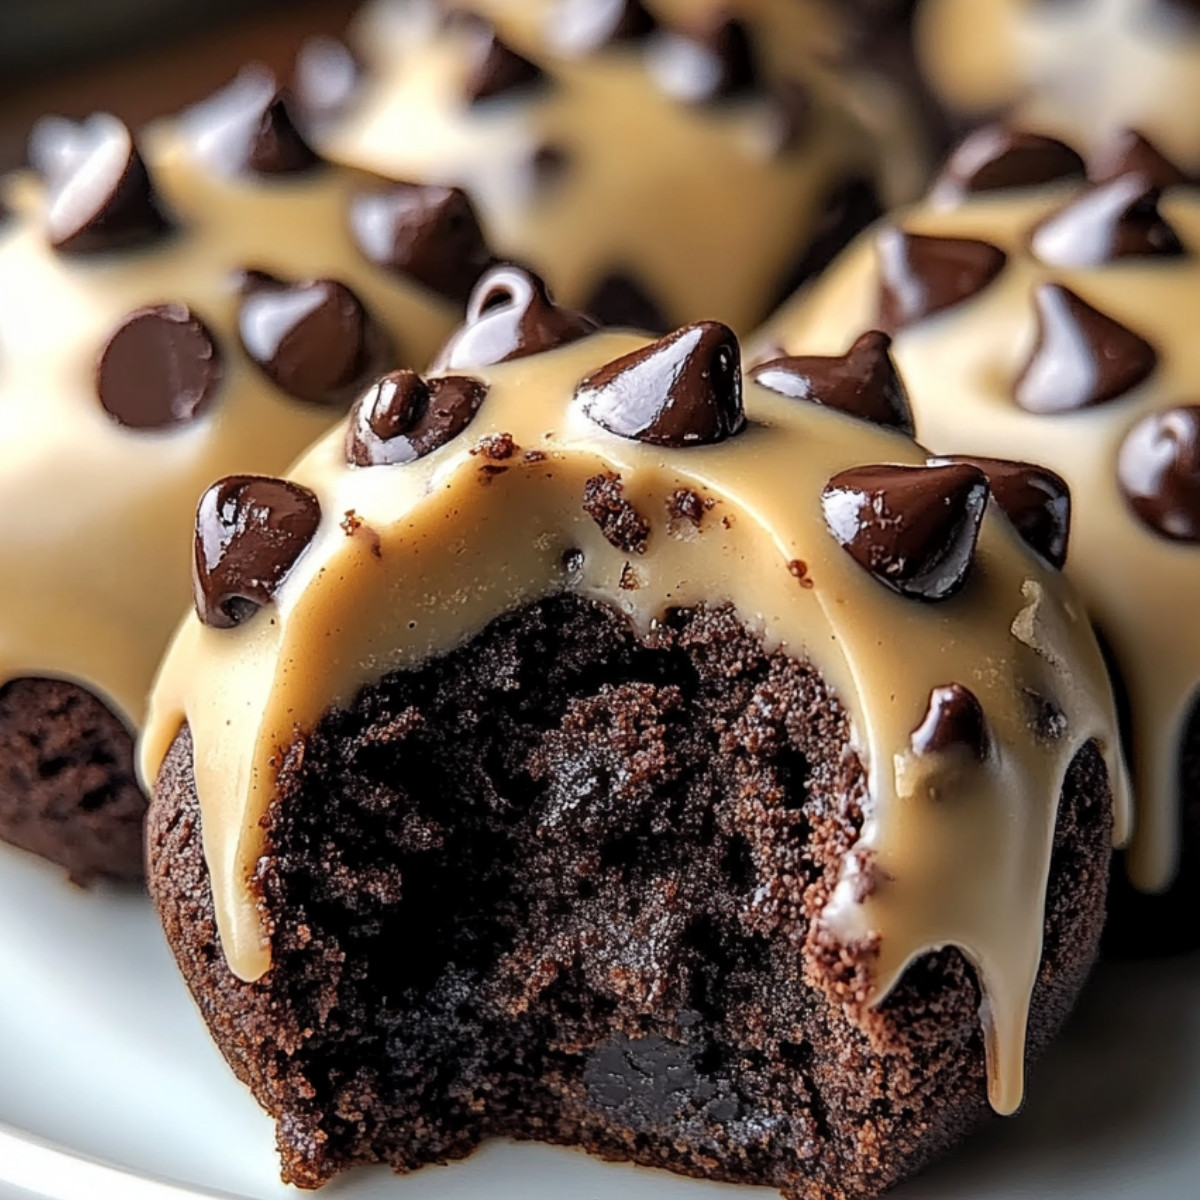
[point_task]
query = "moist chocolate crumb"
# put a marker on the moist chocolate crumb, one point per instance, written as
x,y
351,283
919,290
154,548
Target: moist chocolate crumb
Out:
x,y
629,581
496,446
351,523
685,505
622,525
799,568
536,456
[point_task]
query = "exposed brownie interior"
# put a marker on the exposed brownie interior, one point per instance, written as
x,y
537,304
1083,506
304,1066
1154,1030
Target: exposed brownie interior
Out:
x,y
560,884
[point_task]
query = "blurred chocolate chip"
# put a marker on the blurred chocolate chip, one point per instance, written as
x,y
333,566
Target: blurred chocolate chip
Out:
x,y
863,382
313,339
1033,498
954,720
404,417
510,315
1113,221
683,390
792,114
427,233
99,196
498,69
921,275
709,63
913,528
619,300
995,158
586,26
1159,472
326,79
1082,358
1128,153
250,530
548,164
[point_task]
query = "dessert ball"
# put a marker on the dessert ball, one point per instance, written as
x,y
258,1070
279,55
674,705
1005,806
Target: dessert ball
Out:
x,y
1039,316
587,744
657,163
176,307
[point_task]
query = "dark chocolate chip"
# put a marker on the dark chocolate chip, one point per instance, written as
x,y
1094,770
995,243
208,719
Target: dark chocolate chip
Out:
x,y
921,275
712,62
250,530
427,233
619,300
995,158
863,382
548,164
510,315
99,195
499,70
1113,221
586,26
326,80
913,528
404,417
954,721
1034,499
1159,472
683,390
1129,153
313,339
1082,358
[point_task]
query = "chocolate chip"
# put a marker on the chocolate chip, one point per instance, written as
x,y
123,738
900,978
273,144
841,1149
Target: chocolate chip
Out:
x,y
709,63
622,525
160,368
1082,358
1034,499
313,339
954,721
913,528
619,300
250,531
510,315
404,417
326,80
683,390
499,69
1159,472
921,275
863,382
792,114
424,232
1113,221
98,192
995,158
1128,153
548,164
586,26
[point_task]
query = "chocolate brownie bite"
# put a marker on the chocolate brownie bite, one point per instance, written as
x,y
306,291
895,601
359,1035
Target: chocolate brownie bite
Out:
x,y
1042,317
658,162
178,305
636,762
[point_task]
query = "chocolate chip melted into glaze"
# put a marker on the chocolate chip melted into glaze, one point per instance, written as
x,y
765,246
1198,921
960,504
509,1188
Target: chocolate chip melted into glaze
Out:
x,y
439,547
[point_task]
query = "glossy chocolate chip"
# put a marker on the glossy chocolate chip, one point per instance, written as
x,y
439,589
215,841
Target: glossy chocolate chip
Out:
x,y
161,367
1159,472
683,390
709,63
313,339
995,158
404,417
326,80
913,528
921,275
99,196
1129,153
1113,221
953,721
510,315
250,530
1034,499
586,26
863,382
426,233
499,69
619,300
1082,358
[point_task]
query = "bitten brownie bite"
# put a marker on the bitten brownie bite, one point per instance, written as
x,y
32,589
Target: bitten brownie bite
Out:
x,y
586,744
657,163
176,306
1039,316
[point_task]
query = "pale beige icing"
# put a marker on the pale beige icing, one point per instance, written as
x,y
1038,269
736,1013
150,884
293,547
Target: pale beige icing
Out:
x,y
960,368
442,546
692,202
1080,71
94,541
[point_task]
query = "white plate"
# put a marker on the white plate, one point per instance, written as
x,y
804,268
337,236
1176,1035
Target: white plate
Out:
x,y
109,1087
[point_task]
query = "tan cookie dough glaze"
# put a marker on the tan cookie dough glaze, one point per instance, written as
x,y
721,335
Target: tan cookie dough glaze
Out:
x,y
690,201
953,852
1079,71
95,533
961,367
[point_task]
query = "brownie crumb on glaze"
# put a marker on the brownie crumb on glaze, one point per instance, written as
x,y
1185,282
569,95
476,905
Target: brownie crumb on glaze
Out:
x,y
68,790
622,525
562,884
